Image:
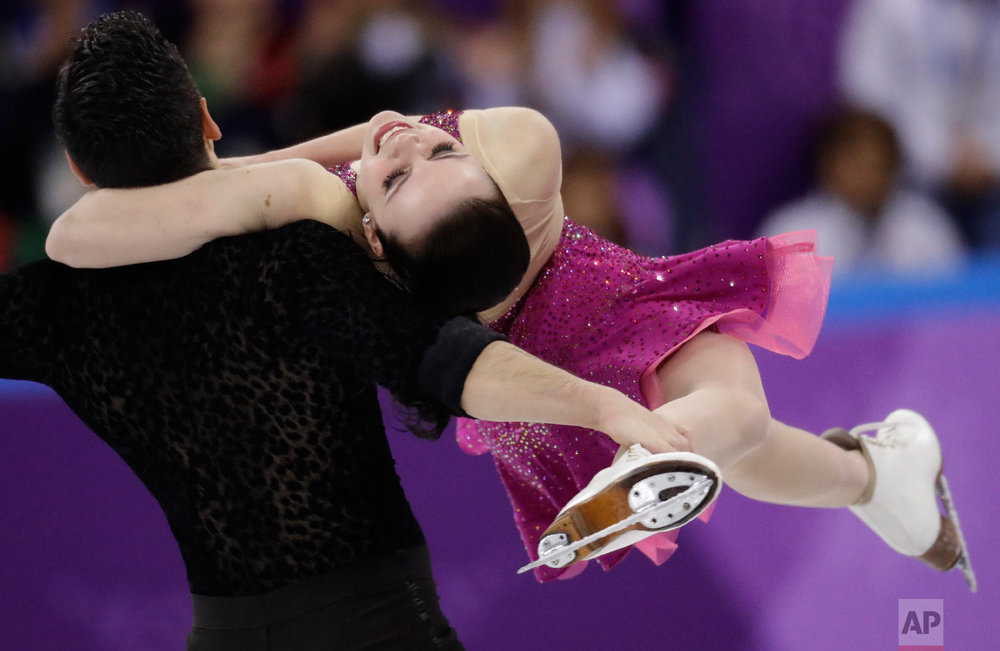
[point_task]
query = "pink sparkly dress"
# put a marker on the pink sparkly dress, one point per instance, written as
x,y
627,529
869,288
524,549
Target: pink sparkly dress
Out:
x,y
611,316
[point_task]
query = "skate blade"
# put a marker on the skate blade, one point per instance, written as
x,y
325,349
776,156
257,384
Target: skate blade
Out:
x,y
628,496
964,563
556,550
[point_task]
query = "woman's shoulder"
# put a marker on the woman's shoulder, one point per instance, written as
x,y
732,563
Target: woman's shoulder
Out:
x,y
519,148
500,123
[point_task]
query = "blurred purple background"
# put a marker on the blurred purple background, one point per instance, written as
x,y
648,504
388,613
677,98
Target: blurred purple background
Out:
x,y
714,104
89,562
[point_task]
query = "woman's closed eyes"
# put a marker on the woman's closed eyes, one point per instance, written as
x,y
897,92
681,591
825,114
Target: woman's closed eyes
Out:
x,y
443,147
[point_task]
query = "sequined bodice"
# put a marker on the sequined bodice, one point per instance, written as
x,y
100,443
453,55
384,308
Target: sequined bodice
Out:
x,y
611,316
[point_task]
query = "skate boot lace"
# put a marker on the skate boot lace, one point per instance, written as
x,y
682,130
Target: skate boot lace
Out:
x,y
893,435
635,452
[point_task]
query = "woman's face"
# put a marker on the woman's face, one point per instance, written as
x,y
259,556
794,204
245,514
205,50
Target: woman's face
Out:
x,y
411,174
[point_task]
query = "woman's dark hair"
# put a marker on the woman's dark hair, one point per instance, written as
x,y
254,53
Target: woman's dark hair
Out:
x,y
473,257
126,108
421,416
471,260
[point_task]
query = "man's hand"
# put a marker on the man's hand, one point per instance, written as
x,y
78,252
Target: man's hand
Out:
x,y
628,422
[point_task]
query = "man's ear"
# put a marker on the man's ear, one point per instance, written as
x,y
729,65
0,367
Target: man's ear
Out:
x,y
76,170
209,128
371,235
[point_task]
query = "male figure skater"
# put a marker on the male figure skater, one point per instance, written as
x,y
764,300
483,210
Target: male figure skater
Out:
x,y
239,382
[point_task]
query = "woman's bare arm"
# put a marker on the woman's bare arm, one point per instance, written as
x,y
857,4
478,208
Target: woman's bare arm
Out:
x,y
338,147
112,227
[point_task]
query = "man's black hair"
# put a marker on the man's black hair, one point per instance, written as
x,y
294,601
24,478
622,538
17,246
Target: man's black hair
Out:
x,y
127,110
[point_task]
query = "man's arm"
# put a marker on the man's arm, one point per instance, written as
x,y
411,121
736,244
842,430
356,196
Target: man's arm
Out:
x,y
508,384
455,362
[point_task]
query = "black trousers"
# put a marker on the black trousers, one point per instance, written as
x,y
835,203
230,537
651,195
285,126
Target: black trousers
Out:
x,y
386,603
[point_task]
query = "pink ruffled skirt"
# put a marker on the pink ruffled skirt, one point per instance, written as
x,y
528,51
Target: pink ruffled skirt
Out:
x,y
611,316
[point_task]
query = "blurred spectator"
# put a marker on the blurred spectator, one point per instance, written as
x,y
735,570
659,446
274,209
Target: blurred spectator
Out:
x,y
589,77
6,242
933,68
356,59
674,148
862,216
585,71
240,57
589,193
490,55
33,38
619,201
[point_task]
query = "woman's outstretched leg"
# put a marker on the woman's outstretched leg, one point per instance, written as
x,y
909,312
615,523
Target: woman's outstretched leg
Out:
x,y
712,390
795,467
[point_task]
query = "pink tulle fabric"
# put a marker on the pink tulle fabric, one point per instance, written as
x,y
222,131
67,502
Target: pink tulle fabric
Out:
x,y
611,316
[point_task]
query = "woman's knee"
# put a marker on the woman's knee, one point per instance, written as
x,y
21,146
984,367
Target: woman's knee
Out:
x,y
751,420
757,420
723,423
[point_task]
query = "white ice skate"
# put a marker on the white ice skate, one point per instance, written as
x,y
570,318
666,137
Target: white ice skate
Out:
x,y
638,495
904,458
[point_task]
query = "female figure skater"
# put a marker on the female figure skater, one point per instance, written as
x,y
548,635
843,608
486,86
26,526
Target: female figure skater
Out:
x,y
436,196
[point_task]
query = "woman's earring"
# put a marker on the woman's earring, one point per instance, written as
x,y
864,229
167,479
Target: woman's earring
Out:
x,y
366,219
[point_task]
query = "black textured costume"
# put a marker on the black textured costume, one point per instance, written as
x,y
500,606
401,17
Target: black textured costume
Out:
x,y
239,384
